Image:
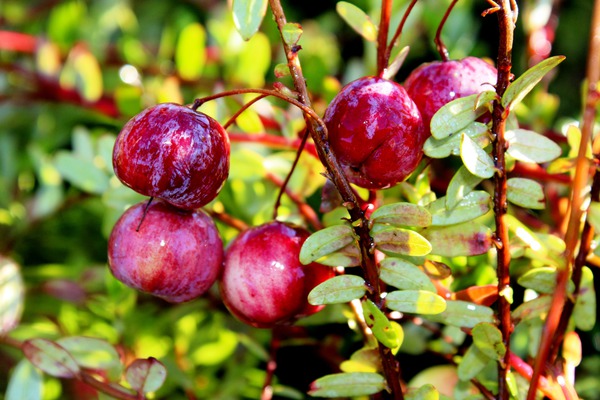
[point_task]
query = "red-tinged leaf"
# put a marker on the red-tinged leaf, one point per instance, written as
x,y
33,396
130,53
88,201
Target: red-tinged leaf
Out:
x,y
484,295
466,239
50,357
146,375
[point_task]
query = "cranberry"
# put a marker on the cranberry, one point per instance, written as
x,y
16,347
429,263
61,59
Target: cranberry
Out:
x,y
263,282
434,84
175,254
376,131
174,153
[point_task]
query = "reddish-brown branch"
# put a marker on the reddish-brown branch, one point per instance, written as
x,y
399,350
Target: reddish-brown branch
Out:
x,y
398,32
439,44
552,391
382,36
242,109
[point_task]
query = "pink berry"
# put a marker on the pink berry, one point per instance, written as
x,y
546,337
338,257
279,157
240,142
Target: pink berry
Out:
x,y
376,131
173,153
263,282
176,254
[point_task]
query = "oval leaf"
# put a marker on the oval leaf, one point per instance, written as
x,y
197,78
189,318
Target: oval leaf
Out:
x,y
477,161
526,193
91,352
50,357
347,384
466,239
339,289
357,19
529,146
472,363
415,302
325,241
459,113
349,256
463,314
380,325
390,239
425,392
190,53
146,375
541,279
81,173
442,148
402,214
473,205
12,295
461,184
248,16
26,382
585,313
291,32
535,308
488,339
404,275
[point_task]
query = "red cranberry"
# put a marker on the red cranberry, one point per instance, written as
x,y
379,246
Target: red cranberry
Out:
x,y
174,153
176,254
376,131
434,84
263,282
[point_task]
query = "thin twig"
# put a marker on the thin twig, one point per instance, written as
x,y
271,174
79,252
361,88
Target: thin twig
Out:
x,y
395,38
241,110
382,36
439,44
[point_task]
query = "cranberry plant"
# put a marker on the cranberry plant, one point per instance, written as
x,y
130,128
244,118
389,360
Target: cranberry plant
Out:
x,y
260,199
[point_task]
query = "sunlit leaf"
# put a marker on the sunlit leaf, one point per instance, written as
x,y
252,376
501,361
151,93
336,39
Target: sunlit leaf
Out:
x,y
484,295
468,238
326,241
82,72
463,314
540,279
190,53
82,173
248,16
488,339
529,146
363,360
380,325
442,148
291,33
347,384
415,301
425,392
521,86
358,20
459,113
473,205
585,312
12,295
472,363
216,352
50,357
526,193
535,308
461,184
394,240
396,63
91,352
25,382
572,349
477,161
146,375
404,275
339,289
402,214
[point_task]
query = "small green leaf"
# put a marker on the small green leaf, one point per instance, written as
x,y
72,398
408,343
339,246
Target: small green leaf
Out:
x,y
466,239
402,214
291,32
248,16
461,184
463,314
349,256
25,383
146,375
380,325
425,392
585,312
540,279
526,193
442,148
488,339
535,308
477,161
472,363
87,73
529,146
593,215
347,385
393,240
473,205
415,302
404,275
190,53
518,89
81,173
326,241
282,70
365,359
459,113
91,352
12,295
50,357
339,289
358,20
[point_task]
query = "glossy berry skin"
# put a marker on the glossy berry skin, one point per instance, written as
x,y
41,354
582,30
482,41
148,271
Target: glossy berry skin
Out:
x,y
376,132
176,254
434,84
263,282
173,153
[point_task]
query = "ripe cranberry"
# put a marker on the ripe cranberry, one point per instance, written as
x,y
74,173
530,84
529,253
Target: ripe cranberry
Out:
x,y
376,131
176,254
434,84
174,153
263,282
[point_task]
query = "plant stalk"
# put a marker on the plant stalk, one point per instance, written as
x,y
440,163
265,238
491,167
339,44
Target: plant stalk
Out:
x,y
382,36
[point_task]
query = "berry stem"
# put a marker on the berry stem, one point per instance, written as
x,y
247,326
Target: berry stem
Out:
x,y
382,36
439,44
396,37
242,109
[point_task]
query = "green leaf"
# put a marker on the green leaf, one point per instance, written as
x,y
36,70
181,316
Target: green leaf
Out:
x,y
339,289
585,312
146,375
358,20
404,275
459,113
463,314
466,239
348,256
461,184
473,205
50,357
529,146
415,302
541,279
81,173
91,352
535,308
326,241
25,383
248,16
190,53
593,215
488,339
442,148
12,295
526,193
518,89
365,359
394,240
472,363
395,64
347,384
291,33
380,325
425,392
82,71
402,214
477,161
